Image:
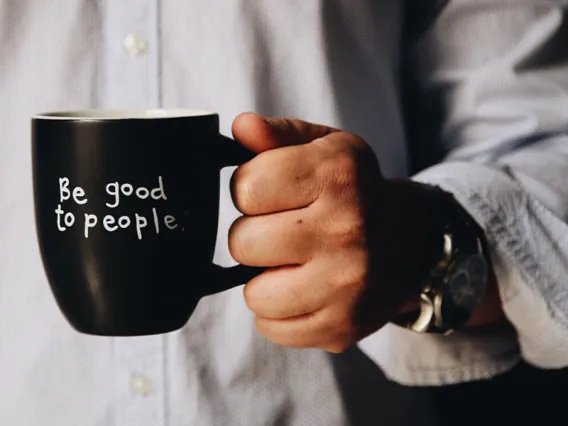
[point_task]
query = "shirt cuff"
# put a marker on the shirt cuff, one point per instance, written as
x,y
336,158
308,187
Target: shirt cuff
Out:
x,y
530,276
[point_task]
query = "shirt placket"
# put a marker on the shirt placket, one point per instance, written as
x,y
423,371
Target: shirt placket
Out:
x,y
129,78
140,381
130,59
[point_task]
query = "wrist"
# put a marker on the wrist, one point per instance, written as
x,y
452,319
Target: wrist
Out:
x,y
416,237
458,284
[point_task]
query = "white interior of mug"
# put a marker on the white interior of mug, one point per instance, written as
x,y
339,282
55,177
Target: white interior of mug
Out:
x,y
121,114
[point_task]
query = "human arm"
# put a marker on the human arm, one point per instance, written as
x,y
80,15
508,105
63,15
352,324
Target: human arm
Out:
x,y
327,189
496,70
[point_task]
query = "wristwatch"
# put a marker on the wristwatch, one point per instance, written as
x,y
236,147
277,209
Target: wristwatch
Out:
x,y
457,281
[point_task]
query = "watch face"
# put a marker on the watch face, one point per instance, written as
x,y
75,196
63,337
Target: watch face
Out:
x,y
464,290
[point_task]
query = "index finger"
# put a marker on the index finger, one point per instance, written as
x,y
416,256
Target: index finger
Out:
x,y
277,180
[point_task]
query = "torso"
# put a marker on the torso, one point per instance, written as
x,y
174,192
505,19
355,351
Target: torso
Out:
x,y
291,59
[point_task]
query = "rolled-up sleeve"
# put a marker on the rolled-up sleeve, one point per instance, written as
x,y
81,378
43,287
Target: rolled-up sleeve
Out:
x,y
498,69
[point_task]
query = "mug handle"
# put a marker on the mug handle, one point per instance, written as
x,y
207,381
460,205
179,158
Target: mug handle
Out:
x,y
231,153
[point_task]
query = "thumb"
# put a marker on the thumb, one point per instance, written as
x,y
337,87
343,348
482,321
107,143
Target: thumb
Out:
x,y
260,134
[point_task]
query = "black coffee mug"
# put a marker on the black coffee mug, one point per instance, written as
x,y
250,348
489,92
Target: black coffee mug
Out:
x,y
126,208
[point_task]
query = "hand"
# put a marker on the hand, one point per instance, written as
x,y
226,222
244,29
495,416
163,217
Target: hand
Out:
x,y
342,258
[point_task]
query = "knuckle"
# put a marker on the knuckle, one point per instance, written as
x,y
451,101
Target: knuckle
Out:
x,y
251,296
346,172
346,162
338,169
239,244
244,189
347,232
351,274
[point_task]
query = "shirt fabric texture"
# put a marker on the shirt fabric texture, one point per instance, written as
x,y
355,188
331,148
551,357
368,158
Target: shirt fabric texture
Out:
x,y
492,95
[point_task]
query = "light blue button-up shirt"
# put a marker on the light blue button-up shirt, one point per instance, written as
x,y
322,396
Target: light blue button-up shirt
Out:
x,y
493,89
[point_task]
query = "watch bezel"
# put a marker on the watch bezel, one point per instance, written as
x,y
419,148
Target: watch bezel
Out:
x,y
434,298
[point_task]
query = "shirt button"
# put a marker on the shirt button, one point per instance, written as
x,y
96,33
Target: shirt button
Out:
x,y
134,44
140,385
